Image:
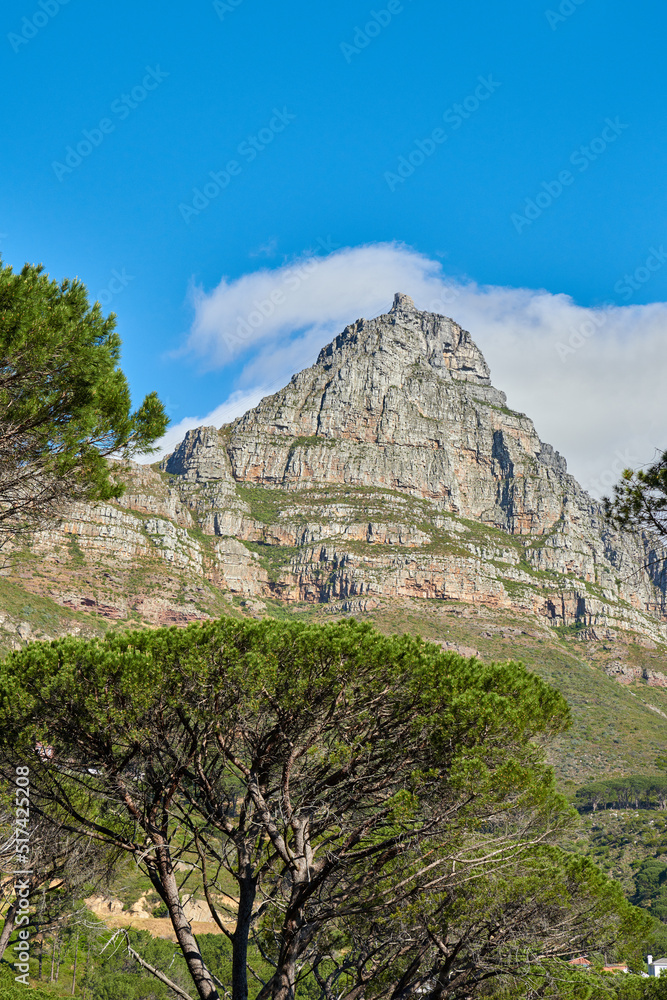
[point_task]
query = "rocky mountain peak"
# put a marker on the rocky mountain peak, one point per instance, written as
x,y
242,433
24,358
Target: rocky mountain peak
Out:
x,y
403,303
407,336
401,402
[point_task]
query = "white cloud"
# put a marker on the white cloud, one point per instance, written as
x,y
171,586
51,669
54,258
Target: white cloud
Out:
x,y
262,309
591,379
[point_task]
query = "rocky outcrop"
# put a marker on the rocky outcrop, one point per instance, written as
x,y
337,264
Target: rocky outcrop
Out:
x,y
404,402
200,457
626,674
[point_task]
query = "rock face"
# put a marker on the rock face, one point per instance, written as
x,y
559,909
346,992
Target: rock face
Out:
x,y
391,468
627,674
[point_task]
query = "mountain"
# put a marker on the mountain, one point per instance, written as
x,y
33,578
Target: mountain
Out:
x,y
393,467
389,480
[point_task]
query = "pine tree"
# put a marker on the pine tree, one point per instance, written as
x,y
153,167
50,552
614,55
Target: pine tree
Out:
x,y
64,401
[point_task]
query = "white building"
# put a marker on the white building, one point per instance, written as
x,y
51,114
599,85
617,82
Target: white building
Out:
x,y
657,966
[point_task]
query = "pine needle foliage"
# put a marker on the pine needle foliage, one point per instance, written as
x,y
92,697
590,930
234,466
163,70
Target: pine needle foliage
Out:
x,y
64,401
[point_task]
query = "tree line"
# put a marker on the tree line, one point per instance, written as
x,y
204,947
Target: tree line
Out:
x,y
637,791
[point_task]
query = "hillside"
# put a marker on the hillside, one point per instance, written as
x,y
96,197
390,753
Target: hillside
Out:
x,y
390,481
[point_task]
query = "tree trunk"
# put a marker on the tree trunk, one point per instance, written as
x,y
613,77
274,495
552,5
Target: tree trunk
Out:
x,y
285,977
58,962
296,931
41,956
247,889
9,926
53,957
188,943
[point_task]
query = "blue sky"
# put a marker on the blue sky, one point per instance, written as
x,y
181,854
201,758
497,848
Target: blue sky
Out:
x,y
479,146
